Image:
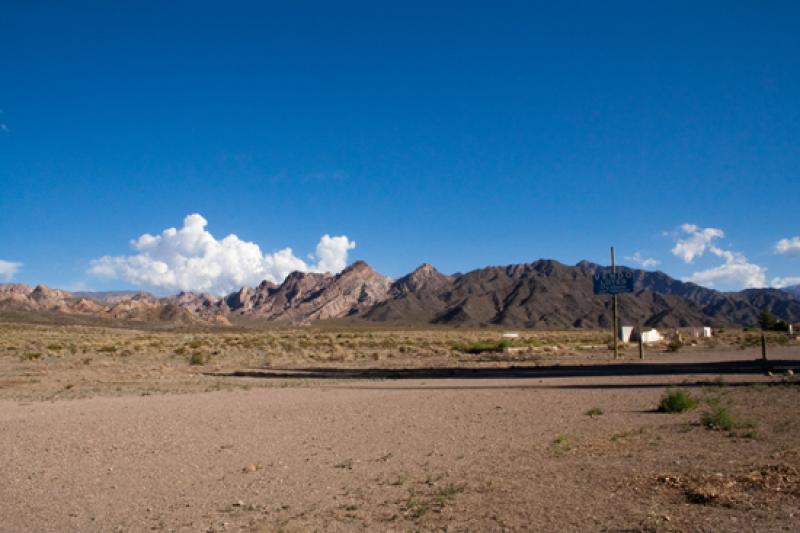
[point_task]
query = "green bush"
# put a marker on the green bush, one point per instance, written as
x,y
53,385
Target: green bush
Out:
x,y
198,358
719,418
766,320
769,322
676,401
781,325
674,345
483,346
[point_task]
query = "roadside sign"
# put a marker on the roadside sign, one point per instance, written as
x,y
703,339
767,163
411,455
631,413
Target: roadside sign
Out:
x,y
606,282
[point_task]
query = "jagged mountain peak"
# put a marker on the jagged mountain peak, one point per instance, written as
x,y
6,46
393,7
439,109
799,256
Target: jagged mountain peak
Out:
x,y
359,268
585,264
543,293
424,276
425,268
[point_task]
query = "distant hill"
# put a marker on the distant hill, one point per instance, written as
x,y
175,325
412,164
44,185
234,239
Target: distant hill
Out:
x,y
542,294
18,300
107,296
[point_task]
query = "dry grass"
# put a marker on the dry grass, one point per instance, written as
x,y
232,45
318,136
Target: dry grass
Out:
x,y
145,360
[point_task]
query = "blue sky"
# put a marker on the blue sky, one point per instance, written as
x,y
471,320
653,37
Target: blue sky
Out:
x,y
460,134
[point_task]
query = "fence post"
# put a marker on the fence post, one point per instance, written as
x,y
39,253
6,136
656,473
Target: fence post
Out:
x,y
641,344
614,305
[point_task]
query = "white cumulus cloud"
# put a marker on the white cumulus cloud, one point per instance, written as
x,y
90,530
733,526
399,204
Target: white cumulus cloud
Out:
x,y
780,283
644,262
736,273
789,246
8,269
696,242
190,258
332,253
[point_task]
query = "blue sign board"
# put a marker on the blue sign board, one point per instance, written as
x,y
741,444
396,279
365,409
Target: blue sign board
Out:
x,y
607,282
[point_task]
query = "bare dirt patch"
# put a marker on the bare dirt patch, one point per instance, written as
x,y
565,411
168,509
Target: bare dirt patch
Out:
x,y
449,444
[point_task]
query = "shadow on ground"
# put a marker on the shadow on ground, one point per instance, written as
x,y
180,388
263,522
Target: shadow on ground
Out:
x,y
721,368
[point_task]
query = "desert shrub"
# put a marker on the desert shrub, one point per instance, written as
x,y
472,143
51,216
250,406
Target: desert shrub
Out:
x,y
180,350
674,345
198,358
110,348
749,340
561,445
54,346
31,356
594,412
676,401
195,344
719,418
483,346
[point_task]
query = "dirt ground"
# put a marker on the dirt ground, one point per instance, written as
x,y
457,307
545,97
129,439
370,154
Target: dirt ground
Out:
x,y
556,437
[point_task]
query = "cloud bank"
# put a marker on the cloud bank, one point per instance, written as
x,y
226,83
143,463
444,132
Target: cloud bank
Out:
x,y
191,259
737,272
8,269
696,242
781,283
788,246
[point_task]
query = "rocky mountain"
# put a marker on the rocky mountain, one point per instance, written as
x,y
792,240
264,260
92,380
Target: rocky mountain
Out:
x,y
736,307
542,294
794,290
141,307
110,296
303,298
417,297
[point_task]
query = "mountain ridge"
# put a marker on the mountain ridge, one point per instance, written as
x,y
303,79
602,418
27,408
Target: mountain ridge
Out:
x,y
542,294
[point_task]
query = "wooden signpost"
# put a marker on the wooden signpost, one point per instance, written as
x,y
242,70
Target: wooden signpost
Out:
x,y
613,283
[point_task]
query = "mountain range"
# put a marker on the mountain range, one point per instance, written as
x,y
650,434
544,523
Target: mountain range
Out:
x,y
793,290
542,294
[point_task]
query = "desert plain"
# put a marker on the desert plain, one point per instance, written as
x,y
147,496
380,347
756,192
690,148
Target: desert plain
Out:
x,y
343,428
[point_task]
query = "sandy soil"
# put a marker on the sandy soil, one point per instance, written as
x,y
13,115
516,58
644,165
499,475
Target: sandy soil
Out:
x,y
495,449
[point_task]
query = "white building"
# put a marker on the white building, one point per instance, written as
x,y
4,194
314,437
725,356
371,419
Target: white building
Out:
x,y
625,333
651,335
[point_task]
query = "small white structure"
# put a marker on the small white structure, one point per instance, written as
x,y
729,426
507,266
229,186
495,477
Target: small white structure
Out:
x,y
706,332
625,333
510,335
651,335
